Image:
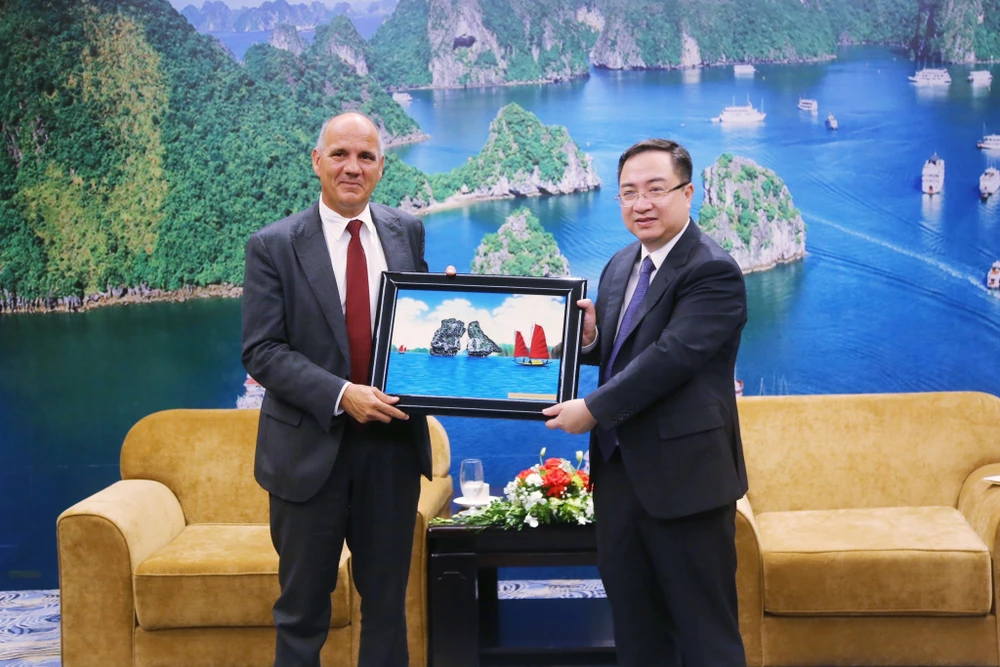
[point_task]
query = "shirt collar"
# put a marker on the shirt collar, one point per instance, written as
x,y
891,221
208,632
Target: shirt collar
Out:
x,y
337,224
661,254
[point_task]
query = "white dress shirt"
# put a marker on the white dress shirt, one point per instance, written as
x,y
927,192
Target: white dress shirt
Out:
x,y
657,256
337,239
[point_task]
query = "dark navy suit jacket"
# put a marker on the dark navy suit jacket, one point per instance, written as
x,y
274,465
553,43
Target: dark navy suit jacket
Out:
x,y
672,401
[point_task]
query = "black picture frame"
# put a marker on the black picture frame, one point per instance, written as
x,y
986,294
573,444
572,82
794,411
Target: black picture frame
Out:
x,y
387,357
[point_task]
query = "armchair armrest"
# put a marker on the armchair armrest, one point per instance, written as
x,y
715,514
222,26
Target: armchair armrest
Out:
x,y
100,541
435,500
750,582
979,503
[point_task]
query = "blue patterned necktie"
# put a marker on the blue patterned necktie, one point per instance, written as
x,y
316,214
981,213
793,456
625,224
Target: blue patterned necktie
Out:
x,y
607,439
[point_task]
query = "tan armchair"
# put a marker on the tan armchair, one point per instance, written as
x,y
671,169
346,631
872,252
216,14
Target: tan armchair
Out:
x,y
868,536
174,565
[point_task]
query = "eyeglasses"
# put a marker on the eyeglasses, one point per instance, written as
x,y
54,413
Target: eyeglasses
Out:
x,y
631,197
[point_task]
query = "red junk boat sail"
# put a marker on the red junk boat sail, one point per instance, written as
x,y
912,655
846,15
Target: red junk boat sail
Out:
x,y
538,355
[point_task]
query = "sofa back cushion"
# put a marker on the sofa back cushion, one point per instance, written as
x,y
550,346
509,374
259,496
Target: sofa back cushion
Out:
x,y
206,458
867,450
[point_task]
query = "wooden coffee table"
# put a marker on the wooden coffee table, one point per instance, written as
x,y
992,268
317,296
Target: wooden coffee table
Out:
x,y
462,592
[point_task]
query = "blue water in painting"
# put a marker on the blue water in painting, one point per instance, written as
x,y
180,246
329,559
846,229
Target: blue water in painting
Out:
x,y
890,296
470,377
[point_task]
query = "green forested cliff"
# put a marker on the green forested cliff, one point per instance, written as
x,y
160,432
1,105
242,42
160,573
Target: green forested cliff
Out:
x,y
447,43
136,151
400,47
521,247
521,157
450,43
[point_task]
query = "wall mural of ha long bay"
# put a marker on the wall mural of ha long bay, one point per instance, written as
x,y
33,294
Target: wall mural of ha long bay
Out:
x,y
136,155
139,156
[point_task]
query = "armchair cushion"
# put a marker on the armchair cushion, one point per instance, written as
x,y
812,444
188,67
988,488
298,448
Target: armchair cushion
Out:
x,y
874,561
216,575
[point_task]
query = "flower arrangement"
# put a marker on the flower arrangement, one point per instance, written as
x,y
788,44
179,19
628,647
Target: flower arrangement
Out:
x,y
552,491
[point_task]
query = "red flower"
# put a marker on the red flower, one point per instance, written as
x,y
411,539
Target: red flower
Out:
x,y
556,481
553,463
584,477
523,475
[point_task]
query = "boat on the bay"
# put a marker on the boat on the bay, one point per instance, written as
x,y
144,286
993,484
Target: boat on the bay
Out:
x,y
989,182
932,76
993,276
741,114
537,354
806,104
932,176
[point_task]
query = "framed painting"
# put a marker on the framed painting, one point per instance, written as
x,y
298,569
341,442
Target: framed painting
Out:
x,y
473,345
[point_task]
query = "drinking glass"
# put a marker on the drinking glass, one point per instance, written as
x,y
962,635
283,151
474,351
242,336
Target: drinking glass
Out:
x,y
474,487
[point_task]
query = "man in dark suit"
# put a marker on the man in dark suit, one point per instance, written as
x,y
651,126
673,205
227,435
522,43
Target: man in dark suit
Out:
x,y
666,457
338,459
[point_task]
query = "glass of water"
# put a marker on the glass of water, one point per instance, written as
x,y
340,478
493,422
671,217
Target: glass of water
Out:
x,y
474,487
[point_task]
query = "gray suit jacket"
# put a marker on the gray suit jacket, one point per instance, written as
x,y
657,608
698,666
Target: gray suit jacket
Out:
x,y
295,345
672,402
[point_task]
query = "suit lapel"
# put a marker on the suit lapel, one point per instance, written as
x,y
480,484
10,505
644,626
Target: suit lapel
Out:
x,y
617,285
390,235
314,256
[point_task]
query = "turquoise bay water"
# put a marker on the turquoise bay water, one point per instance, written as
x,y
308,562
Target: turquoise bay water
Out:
x,y
469,377
889,298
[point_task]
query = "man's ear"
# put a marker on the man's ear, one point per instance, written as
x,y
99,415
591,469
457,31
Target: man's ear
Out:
x,y
315,161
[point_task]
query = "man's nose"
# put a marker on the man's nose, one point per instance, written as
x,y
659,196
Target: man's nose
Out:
x,y
642,204
353,166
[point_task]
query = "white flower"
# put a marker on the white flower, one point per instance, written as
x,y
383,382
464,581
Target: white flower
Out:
x,y
534,479
579,456
582,520
531,521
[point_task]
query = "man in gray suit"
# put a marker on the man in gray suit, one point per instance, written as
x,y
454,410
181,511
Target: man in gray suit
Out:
x,y
666,456
338,459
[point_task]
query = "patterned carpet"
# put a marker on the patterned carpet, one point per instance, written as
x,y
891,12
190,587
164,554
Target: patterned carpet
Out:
x,y
29,628
29,620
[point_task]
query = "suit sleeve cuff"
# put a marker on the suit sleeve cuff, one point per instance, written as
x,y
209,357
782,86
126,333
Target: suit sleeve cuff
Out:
x,y
337,410
586,349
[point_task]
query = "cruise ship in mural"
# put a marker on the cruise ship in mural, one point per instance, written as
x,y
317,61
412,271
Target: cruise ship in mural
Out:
x,y
831,122
930,76
744,70
741,114
989,182
932,176
993,276
806,104
989,142
981,77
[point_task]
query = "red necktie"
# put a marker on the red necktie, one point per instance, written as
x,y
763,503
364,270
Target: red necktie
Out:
x,y
358,307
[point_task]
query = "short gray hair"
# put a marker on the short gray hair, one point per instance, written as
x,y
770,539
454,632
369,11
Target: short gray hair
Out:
x,y
322,131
